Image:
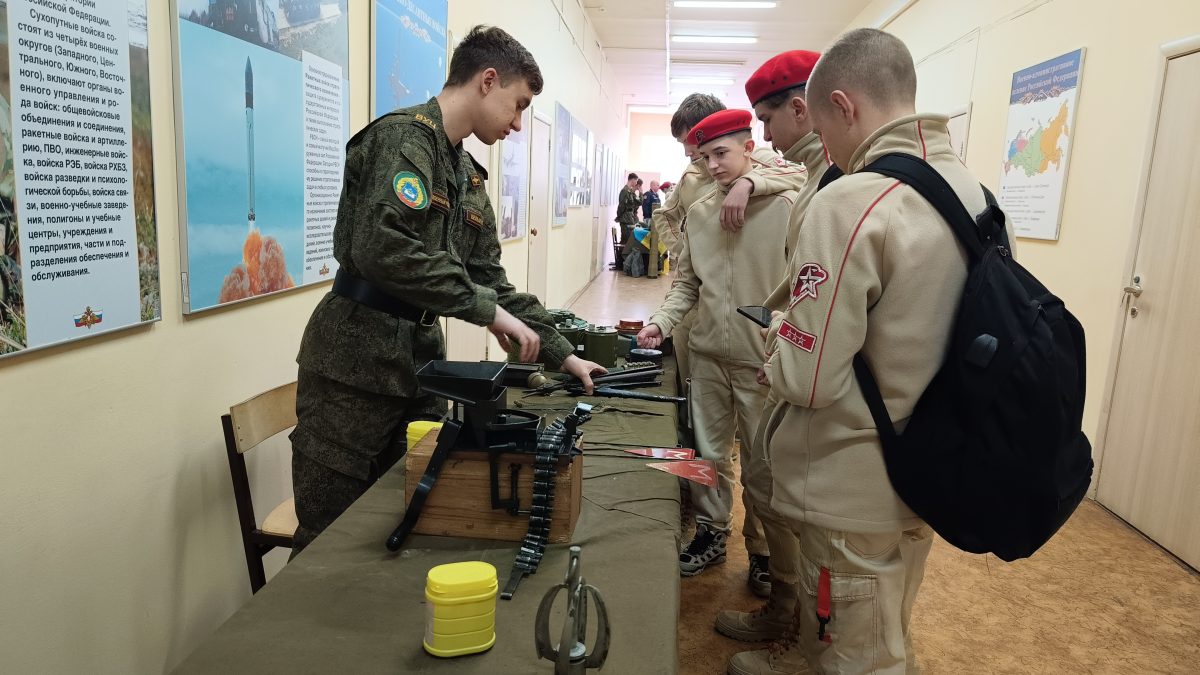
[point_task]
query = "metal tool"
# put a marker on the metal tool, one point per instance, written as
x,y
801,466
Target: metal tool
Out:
x,y
571,655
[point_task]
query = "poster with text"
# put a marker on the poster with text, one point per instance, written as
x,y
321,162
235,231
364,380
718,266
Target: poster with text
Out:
x,y
514,182
78,240
410,52
1041,118
261,112
562,163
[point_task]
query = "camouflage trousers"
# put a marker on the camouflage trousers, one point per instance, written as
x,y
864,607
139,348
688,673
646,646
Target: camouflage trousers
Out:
x,y
345,439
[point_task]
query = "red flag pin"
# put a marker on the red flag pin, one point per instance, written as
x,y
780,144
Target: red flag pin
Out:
x,y
664,453
698,471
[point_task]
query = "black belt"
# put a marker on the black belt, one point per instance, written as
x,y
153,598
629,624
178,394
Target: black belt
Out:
x,y
365,293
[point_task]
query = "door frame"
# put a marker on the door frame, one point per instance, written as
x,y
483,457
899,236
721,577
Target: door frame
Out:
x,y
545,196
1167,51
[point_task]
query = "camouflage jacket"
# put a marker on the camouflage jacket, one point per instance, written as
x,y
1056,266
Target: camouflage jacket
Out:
x,y
627,206
415,221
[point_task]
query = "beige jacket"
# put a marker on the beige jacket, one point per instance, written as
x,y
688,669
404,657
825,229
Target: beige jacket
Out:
x,y
776,175
809,152
720,271
877,270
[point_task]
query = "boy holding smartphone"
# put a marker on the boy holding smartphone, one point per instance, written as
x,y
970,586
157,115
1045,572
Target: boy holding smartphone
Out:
x,y
718,272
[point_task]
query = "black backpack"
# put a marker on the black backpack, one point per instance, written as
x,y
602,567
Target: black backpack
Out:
x,y
993,458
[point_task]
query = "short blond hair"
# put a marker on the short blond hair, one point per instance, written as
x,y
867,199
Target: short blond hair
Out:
x,y
870,62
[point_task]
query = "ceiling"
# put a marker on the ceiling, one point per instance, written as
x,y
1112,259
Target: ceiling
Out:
x,y
636,38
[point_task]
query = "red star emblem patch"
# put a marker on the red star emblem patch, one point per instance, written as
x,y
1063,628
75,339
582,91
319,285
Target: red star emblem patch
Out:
x,y
807,280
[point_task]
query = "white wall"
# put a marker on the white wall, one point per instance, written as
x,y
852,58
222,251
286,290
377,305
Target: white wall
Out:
x,y
120,545
969,50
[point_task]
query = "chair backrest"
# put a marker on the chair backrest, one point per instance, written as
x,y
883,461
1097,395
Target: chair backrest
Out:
x,y
616,236
263,416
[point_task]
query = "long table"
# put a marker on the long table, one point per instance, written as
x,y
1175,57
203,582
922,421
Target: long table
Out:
x,y
346,604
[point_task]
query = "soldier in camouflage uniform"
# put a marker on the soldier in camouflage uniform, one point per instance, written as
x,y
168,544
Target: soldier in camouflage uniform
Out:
x,y
628,204
416,239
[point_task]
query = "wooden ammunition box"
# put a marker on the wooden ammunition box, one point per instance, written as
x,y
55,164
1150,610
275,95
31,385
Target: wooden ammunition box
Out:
x,y
460,504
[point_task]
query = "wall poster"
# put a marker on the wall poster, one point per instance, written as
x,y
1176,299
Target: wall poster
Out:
x,y
78,239
514,181
562,163
410,63
580,186
1041,117
262,117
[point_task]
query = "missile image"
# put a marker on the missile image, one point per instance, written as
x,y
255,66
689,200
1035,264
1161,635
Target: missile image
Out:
x,y
250,141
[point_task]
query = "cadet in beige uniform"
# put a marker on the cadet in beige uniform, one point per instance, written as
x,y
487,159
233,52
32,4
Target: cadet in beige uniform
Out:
x,y
776,90
876,270
719,271
775,174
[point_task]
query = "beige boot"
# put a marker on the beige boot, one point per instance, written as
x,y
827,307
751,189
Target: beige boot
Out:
x,y
769,622
783,657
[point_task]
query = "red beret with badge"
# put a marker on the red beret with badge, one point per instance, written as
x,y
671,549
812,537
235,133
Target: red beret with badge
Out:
x,y
780,73
718,124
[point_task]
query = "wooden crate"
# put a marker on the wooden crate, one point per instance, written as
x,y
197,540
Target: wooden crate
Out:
x,y
460,504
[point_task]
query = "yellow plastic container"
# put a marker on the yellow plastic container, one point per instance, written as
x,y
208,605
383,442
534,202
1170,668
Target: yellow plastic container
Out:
x,y
418,430
460,614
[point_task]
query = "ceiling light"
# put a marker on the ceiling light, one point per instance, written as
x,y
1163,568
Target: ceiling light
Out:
x,y
702,80
715,39
724,4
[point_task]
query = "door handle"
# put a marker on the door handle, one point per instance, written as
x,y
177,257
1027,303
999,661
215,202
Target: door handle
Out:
x,y
1134,289
533,231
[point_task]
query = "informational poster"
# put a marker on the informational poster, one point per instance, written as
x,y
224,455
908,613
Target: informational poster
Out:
x,y
514,182
580,187
410,52
262,108
78,244
1041,118
562,163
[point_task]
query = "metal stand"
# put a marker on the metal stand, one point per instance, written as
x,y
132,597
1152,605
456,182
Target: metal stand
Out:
x,y
571,656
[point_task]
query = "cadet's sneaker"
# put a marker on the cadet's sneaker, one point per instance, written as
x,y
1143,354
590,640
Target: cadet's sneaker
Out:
x,y
759,578
783,657
769,622
706,548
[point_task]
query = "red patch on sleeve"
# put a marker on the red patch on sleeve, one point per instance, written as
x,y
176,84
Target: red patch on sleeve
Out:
x,y
808,278
799,338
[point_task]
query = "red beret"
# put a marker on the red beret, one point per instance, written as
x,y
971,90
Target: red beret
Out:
x,y
780,73
718,124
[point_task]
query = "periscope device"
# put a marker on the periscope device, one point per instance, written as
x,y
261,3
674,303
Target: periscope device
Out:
x,y
756,313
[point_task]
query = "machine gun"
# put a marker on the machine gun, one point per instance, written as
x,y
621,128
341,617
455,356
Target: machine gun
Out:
x,y
481,422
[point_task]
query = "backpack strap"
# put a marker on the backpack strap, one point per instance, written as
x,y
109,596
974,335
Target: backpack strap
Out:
x,y
832,173
917,173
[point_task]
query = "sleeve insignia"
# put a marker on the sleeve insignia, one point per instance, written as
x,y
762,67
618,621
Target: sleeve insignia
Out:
x,y
474,218
410,191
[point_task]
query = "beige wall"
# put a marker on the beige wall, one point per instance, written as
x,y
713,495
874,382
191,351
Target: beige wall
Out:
x,y
652,149
120,542
969,50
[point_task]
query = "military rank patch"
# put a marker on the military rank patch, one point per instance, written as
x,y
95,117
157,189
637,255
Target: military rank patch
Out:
x,y
475,180
474,218
441,202
808,278
426,121
797,338
410,191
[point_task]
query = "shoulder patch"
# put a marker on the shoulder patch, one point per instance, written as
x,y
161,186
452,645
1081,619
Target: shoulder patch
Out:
x,y
474,218
476,181
807,279
440,201
421,119
410,191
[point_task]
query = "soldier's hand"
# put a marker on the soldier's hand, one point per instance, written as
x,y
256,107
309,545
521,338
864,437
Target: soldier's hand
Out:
x,y
509,326
765,333
650,337
761,376
583,371
733,211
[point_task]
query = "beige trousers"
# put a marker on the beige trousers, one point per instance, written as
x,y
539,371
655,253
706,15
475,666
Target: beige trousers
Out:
x,y
782,543
679,338
873,583
726,402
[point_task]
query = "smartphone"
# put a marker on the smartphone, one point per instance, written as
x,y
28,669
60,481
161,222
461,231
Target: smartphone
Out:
x,y
756,313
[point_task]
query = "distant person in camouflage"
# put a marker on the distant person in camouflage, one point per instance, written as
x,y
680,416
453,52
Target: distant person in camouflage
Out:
x,y
416,239
628,203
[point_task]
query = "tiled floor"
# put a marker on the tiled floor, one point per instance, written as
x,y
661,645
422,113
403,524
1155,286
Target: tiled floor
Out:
x,y
1099,598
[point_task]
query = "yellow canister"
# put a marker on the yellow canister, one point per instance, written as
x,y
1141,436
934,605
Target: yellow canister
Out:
x,y
460,609
418,430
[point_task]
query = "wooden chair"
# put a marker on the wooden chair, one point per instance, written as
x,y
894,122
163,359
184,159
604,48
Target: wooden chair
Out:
x,y
618,249
246,426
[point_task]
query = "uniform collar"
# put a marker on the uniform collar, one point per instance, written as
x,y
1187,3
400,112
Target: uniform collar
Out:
x,y
810,152
432,110
921,135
